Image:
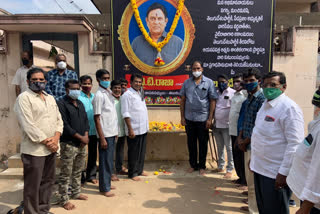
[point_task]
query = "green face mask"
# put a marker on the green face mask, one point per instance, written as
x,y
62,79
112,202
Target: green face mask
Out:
x,y
271,93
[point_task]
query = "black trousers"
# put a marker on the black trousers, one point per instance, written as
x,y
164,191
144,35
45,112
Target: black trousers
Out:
x,y
238,159
91,171
196,131
119,153
136,154
270,200
39,177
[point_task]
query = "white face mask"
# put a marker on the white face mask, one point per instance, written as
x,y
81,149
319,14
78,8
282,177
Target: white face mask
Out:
x,y
196,74
62,65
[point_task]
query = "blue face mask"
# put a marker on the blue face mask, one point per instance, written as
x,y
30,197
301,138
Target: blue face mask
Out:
x,y
105,84
74,94
251,86
222,86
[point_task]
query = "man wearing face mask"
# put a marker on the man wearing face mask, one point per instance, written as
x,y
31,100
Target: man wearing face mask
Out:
x,y
247,118
278,131
106,121
303,178
73,142
86,97
198,101
221,124
41,125
236,102
20,78
58,77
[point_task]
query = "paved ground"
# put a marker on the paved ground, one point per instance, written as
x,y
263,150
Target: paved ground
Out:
x,y
175,193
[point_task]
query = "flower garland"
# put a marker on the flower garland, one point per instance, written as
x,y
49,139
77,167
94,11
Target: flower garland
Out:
x,y
158,45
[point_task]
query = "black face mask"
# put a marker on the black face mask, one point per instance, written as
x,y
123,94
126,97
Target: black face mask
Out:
x,y
37,86
25,61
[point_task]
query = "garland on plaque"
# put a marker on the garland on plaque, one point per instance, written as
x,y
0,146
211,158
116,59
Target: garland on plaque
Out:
x,y
158,61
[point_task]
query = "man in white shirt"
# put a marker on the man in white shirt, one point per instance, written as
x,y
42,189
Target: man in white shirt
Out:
x,y
303,178
277,133
221,124
20,78
106,121
236,102
135,113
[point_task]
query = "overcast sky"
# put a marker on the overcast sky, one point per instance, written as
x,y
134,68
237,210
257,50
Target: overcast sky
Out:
x,y
48,6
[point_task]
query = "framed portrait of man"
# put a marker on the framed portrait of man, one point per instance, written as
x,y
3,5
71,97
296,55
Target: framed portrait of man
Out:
x,y
157,17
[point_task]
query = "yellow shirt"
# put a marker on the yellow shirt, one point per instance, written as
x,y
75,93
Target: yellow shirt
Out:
x,y
39,120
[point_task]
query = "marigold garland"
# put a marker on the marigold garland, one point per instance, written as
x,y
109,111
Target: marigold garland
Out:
x,y
165,127
158,45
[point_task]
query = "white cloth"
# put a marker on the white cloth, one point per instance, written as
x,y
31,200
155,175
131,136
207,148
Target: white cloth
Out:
x,y
304,175
236,102
20,78
279,128
133,107
104,105
221,115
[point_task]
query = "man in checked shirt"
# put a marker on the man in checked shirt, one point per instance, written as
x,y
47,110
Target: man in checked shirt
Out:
x,y
58,77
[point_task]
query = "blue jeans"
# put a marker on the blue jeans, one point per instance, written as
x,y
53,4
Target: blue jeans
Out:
x,y
106,165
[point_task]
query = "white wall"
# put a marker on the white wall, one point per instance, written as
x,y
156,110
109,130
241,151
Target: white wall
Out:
x,y
88,64
293,7
301,70
9,63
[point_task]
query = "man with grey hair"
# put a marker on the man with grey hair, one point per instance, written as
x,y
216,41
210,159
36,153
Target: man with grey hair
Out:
x,y
58,77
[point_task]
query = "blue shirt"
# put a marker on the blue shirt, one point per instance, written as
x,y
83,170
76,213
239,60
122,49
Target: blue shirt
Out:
x,y
198,98
55,85
87,102
248,113
147,53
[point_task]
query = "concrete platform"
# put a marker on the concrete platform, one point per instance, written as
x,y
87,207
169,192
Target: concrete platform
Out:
x,y
15,161
161,146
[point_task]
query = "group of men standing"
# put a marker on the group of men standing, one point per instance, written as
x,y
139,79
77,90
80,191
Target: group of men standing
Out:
x,y
59,114
261,129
